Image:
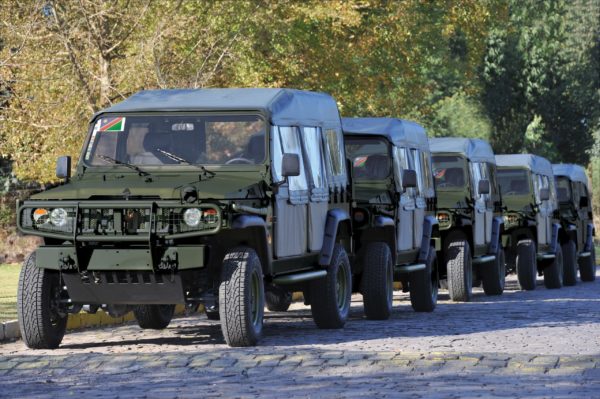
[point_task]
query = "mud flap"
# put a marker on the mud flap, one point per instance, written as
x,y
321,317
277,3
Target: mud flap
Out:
x,y
334,218
428,224
589,241
554,242
495,241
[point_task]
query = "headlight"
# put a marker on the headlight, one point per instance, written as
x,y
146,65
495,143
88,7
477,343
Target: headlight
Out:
x,y
444,219
192,217
58,217
41,216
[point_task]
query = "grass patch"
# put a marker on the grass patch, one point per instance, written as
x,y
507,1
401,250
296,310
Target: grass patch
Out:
x,y
9,280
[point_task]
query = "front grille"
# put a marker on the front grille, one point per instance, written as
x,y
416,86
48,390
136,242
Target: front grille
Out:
x,y
115,221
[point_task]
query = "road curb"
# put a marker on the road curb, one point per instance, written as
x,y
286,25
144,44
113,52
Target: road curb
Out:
x,y
10,331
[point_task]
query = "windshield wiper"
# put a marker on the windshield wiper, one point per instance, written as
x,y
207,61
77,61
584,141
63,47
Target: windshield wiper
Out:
x,y
179,159
117,162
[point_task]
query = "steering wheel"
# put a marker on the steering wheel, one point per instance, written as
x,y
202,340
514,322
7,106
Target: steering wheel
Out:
x,y
239,160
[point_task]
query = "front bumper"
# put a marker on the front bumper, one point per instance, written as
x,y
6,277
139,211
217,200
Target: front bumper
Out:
x,y
65,258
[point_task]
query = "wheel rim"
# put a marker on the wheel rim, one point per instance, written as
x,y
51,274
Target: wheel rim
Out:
x,y
340,287
255,294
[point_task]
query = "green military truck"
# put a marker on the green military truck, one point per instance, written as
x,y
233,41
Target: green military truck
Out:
x,y
575,209
395,233
469,212
194,197
532,230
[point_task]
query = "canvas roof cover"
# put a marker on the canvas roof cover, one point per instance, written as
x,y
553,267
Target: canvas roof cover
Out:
x,y
572,171
283,106
476,150
535,163
401,132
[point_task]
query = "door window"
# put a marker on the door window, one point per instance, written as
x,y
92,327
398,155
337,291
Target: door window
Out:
x,y
427,174
288,142
335,160
418,167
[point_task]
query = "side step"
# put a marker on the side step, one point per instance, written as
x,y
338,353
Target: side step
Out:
x,y
299,277
409,268
484,259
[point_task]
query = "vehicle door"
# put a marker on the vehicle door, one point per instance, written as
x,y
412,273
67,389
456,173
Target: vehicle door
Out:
x,y
545,210
420,200
488,200
312,140
406,207
479,205
291,199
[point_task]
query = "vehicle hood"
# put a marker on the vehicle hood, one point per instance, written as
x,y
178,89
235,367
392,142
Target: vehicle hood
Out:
x,y
160,187
447,199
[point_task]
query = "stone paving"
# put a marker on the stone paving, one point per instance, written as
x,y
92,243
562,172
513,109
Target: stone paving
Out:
x,y
539,344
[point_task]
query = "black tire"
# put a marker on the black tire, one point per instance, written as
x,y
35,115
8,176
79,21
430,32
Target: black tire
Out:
x,y
278,299
424,285
154,317
377,283
241,297
526,264
587,267
41,320
553,272
569,250
493,277
459,268
330,296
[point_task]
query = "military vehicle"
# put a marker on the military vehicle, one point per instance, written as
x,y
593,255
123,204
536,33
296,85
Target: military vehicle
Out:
x,y
531,227
394,230
469,212
575,209
199,197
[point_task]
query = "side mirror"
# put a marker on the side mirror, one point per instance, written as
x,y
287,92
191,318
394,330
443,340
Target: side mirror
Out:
x,y
409,178
63,167
290,165
483,187
583,202
544,194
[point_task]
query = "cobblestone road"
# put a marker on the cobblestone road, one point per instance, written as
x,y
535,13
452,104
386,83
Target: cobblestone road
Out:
x,y
544,343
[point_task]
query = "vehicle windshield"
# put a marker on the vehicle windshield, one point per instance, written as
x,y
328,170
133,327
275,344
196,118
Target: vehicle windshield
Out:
x,y
370,158
177,139
449,172
563,189
513,181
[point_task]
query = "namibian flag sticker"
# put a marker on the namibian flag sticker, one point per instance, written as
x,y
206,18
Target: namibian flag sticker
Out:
x,y
116,124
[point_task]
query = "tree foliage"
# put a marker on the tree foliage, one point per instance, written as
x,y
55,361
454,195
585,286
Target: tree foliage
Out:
x,y
523,74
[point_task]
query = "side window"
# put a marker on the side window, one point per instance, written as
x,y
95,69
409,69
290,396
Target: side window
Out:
x,y
410,164
400,163
475,178
335,157
416,158
427,174
314,154
290,144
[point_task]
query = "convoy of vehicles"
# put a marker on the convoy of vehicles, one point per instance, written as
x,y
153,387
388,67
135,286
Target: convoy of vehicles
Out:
x,y
469,212
235,198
